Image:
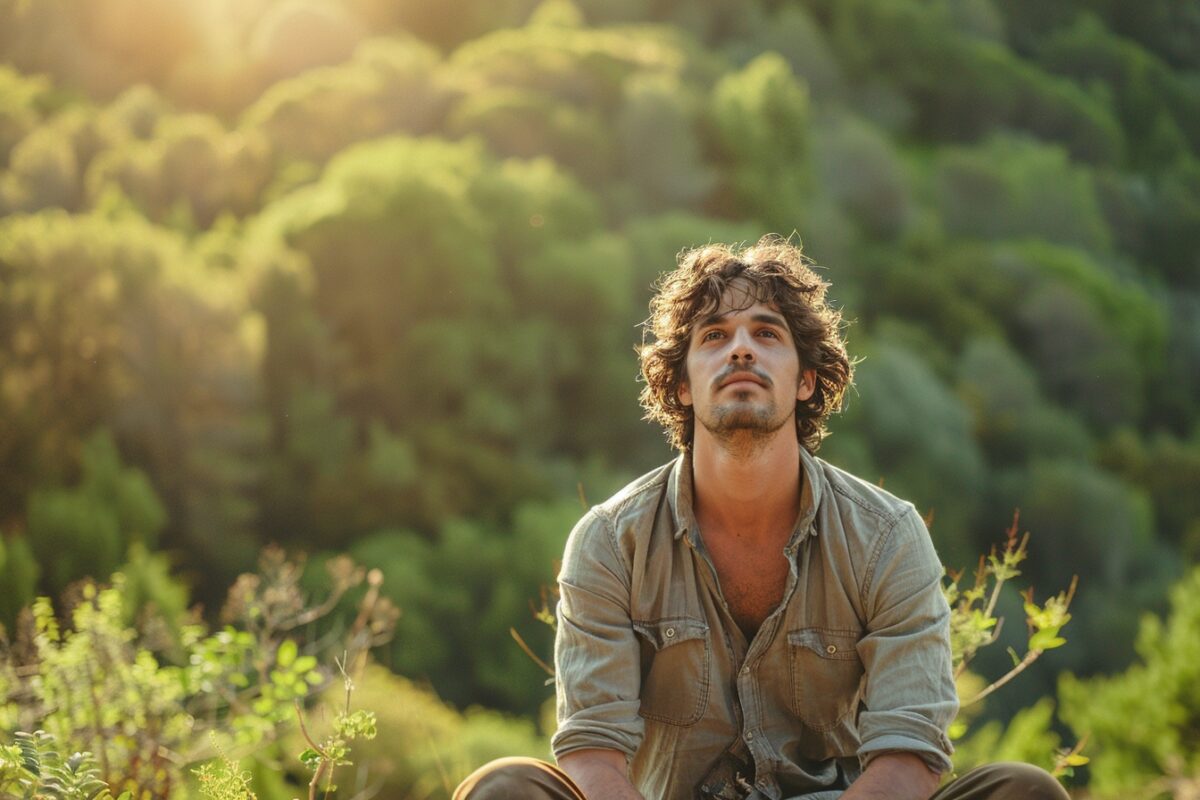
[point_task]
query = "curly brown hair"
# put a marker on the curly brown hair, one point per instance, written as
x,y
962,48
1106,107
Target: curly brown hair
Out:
x,y
774,272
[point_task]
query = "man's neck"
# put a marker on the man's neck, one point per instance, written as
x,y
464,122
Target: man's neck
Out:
x,y
752,493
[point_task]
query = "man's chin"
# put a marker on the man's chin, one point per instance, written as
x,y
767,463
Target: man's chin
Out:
x,y
743,422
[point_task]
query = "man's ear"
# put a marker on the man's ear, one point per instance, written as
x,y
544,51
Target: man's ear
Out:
x,y
808,385
685,393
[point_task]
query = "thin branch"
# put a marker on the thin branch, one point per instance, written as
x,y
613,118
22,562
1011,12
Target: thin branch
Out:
x,y
304,728
437,757
1030,657
529,652
316,780
969,657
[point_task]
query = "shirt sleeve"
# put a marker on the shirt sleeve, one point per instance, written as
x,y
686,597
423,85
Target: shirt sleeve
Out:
x,y
596,654
910,697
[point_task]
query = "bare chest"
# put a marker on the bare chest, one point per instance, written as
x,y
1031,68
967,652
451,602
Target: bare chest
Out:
x,y
752,580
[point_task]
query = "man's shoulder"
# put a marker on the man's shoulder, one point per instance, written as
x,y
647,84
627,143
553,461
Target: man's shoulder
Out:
x,y
638,496
869,501
621,524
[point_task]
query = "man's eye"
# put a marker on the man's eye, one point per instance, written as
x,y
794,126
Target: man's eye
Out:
x,y
710,336
768,332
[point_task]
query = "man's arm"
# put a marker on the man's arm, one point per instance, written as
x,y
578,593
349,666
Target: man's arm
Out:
x,y
894,776
600,774
597,659
909,697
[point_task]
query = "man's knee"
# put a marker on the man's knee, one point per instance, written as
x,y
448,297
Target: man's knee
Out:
x,y
516,778
1006,780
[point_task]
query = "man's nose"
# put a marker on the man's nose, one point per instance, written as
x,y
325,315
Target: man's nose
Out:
x,y
741,347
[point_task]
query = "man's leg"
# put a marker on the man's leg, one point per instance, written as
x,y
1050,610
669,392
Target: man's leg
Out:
x,y
1008,780
518,779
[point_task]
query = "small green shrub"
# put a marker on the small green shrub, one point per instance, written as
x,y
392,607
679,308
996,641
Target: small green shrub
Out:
x,y
138,712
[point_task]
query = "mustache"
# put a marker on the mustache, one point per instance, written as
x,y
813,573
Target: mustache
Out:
x,y
737,369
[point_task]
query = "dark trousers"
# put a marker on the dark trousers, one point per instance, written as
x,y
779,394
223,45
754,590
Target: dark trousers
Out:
x,y
530,779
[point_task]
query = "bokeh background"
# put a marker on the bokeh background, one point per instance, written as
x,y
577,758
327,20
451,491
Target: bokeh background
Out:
x,y
365,277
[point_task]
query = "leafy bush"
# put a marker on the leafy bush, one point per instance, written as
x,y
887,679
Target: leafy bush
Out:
x,y
146,708
1143,723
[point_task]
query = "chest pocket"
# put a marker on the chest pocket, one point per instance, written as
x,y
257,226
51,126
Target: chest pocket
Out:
x,y
826,675
676,661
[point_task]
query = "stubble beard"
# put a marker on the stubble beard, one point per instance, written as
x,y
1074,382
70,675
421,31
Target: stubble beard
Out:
x,y
742,427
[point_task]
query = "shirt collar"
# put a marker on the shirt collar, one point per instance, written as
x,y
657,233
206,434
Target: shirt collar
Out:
x,y
680,494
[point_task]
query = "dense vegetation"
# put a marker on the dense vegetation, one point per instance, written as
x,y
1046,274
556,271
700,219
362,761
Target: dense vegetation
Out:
x,y
364,276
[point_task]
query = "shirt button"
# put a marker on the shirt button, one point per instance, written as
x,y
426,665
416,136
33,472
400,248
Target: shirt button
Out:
x,y
831,649
749,736
669,633
745,670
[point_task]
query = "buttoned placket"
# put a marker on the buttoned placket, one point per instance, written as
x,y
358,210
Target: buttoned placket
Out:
x,y
747,654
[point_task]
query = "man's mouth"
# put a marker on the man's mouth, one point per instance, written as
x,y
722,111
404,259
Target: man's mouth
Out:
x,y
746,378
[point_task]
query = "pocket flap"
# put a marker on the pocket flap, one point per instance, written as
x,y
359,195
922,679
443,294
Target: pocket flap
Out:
x,y
663,633
838,645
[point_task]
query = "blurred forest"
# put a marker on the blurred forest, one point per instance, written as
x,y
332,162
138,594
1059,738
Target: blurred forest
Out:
x,y
365,276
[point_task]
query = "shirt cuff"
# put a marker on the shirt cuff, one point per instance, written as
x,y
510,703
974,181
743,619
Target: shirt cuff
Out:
x,y
922,739
582,734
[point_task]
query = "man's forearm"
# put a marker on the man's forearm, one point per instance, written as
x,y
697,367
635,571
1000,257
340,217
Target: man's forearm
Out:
x,y
600,774
894,776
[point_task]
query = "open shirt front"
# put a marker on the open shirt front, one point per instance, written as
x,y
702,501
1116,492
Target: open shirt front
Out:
x,y
854,662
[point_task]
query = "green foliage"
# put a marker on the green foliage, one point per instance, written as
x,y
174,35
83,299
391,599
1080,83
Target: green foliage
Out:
x,y
1102,529
88,530
389,86
517,259
34,769
20,108
294,325
1166,468
189,173
462,592
910,417
1142,723
1159,111
1011,188
791,32
224,779
858,168
760,118
43,173
19,573
660,149
584,67
117,324
974,625
334,751
962,87
92,681
1012,420
423,747
1029,737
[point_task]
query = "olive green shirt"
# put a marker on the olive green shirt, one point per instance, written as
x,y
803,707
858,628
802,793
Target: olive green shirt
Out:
x,y
854,662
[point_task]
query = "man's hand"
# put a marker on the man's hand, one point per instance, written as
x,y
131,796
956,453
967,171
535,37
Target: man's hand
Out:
x,y
600,774
894,776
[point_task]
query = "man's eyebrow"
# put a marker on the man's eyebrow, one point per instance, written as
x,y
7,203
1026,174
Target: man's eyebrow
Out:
x,y
763,317
770,319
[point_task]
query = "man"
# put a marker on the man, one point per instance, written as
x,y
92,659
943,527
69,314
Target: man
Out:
x,y
749,621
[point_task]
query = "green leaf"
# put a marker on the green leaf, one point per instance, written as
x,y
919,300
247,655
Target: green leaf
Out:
x,y
311,758
1047,639
286,653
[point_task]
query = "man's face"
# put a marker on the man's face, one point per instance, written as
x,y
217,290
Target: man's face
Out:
x,y
743,373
